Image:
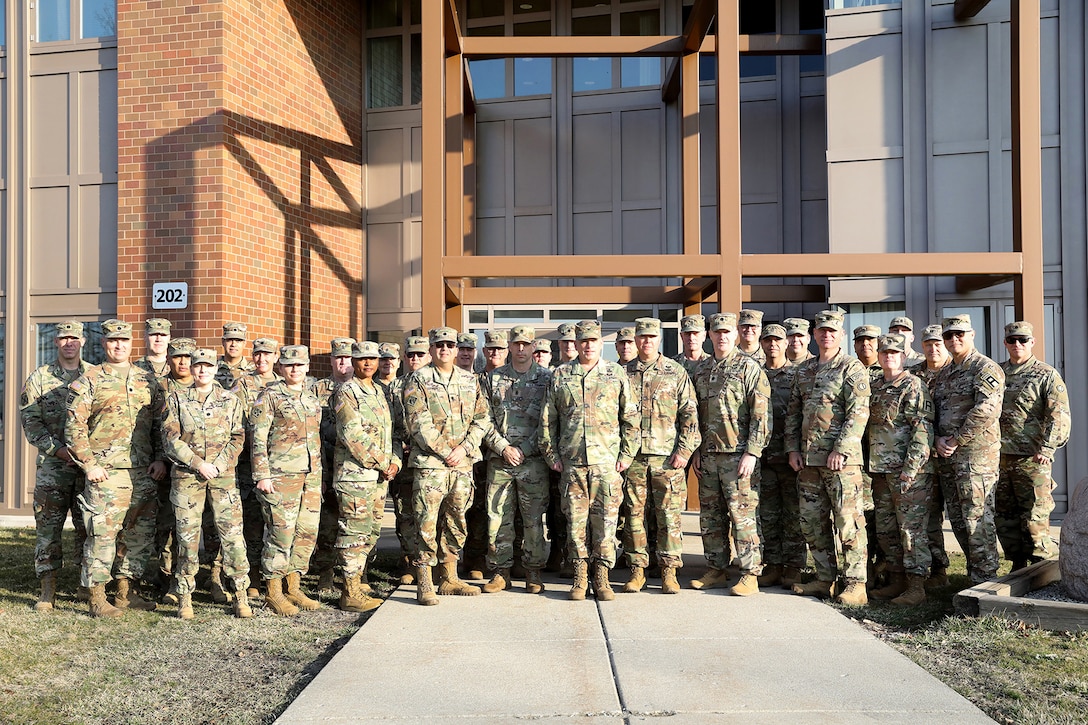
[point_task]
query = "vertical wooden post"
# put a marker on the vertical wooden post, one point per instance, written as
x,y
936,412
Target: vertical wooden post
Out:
x,y
729,222
433,296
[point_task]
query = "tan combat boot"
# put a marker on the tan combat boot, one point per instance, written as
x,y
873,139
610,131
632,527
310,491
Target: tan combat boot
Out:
x,y
295,594
185,606
83,594
364,585
407,577
713,579
746,587
215,585
937,579
424,587
854,595
171,596
772,574
637,580
354,599
818,589
581,580
533,583
669,585
601,586
790,575
241,604
49,592
127,597
254,581
915,593
450,584
99,606
499,582
897,584
276,601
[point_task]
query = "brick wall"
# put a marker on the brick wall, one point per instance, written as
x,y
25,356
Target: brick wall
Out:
x,y
239,127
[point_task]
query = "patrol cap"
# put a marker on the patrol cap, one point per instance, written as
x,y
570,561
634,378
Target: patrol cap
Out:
x,y
958,323
203,356
157,326
181,346
389,350
542,345
294,355
495,338
931,332
363,349
723,321
264,344
750,317
416,344
866,331
71,328
234,331
466,339
445,334
693,323
891,343
588,330
626,334
1020,328
522,333
341,346
647,326
117,330
773,331
795,326
831,319
566,332
901,322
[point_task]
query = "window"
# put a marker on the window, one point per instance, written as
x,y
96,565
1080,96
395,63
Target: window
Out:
x,y
3,26
92,349
394,50
840,4
620,17
756,17
506,77
61,20
54,21
98,18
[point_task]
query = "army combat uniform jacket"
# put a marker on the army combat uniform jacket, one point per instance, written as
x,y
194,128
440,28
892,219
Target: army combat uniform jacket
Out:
x,y
1035,410
201,429
112,418
442,414
364,432
734,404
43,406
515,400
900,427
227,375
968,396
286,429
690,365
829,407
781,382
667,406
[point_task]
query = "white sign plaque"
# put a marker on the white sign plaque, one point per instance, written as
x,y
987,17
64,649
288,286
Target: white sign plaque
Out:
x,y
170,295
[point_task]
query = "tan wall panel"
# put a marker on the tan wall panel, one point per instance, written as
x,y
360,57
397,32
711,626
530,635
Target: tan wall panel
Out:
x,y
385,172
533,235
592,163
48,242
1049,54
641,146
49,133
866,206
95,264
415,172
960,203
491,167
385,266
98,122
959,85
534,162
491,235
642,232
860,118
759,134
592,233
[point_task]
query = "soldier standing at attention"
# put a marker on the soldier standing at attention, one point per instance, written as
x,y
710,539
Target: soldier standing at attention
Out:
x,y
157,338
750,325
589,434
466,351
568,350
865,337
203,433
447,418
935,357
905,326
1035,423
58,481
735,418
900,444
558,525
625,345
517,477
232,363
797,334
365,463
286,457
112,435
825,422
968,394
496,349
784,550
692,337
656,483
542,353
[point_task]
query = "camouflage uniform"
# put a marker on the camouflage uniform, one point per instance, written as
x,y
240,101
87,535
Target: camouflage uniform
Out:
x,y
400,488
285,426
779,500
690,365
57,483
968,398
325,556
227,375
935,505
157,369
1035,420
112,417
206,428
246,389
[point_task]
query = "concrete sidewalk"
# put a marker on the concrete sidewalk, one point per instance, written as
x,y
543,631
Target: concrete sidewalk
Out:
x,y
695,657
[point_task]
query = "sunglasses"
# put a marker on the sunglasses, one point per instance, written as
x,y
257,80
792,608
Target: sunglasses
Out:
x,y
1017,340
416,354
952,333
441,345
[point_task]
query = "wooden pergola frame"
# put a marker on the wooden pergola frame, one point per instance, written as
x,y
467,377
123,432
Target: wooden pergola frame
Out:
x,y
449,266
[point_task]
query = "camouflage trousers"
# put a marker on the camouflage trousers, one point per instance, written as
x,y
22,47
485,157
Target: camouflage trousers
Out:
x,y
511,489
902,521
968,481
726,499
780,516
440,497
253,517
291,514
653,492
831,513
476,519
400,490
189,497
166,545
56,486
591,504
556,519
362,506
328,529
935,530
1022,507
119,514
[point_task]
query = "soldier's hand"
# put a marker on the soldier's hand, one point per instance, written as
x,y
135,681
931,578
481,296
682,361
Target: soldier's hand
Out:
x,y
697,464
391,472
836,461
265,486
945,446
557,466
797,462
747,465
621,466
97,474
157,470
677,461
207,471
456,456
64,454
1040,458
512,456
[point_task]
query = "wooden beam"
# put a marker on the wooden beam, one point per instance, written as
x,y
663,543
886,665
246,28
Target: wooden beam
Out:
x,y
729,200
433,181
964,9
455,166
769,293
695,30
576,295
967,285
470,92
480,47
690,192
452,29
798,44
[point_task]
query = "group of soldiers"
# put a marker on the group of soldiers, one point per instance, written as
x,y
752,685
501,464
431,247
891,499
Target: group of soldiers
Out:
x,y
524,466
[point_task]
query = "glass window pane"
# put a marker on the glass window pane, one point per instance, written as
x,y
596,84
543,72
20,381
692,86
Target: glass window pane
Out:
x,y
417,12
980,321
532,76
758,65
592,25
54,20
383,14
537,27
576,4
643,22
518,317
532,6
641,72
46,348
757,16
477,317
417,68
3,24
592,74
708,67
385,72
488,78
572,315
99,19
485,8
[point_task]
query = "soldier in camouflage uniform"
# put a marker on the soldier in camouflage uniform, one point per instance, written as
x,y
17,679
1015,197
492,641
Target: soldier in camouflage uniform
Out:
x,y
692,335
904,326
749,327
825,422
784,550
968,393
447,417
735,420
365,463
589,433
157,339
203,433
496,349
865,339
285,428
517,477
559,559
542,353
935,357
625,345
900,444
325,557
466,351
655,487
568,348
58,480
1035,423
797,333
112,435
232,363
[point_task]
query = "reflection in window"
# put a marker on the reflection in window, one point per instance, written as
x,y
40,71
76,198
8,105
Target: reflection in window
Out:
x,y
640,71
54,20
98,19
385,72
3,24
592,74
839,4
383,14
488,78
417,68
532,76
92,349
